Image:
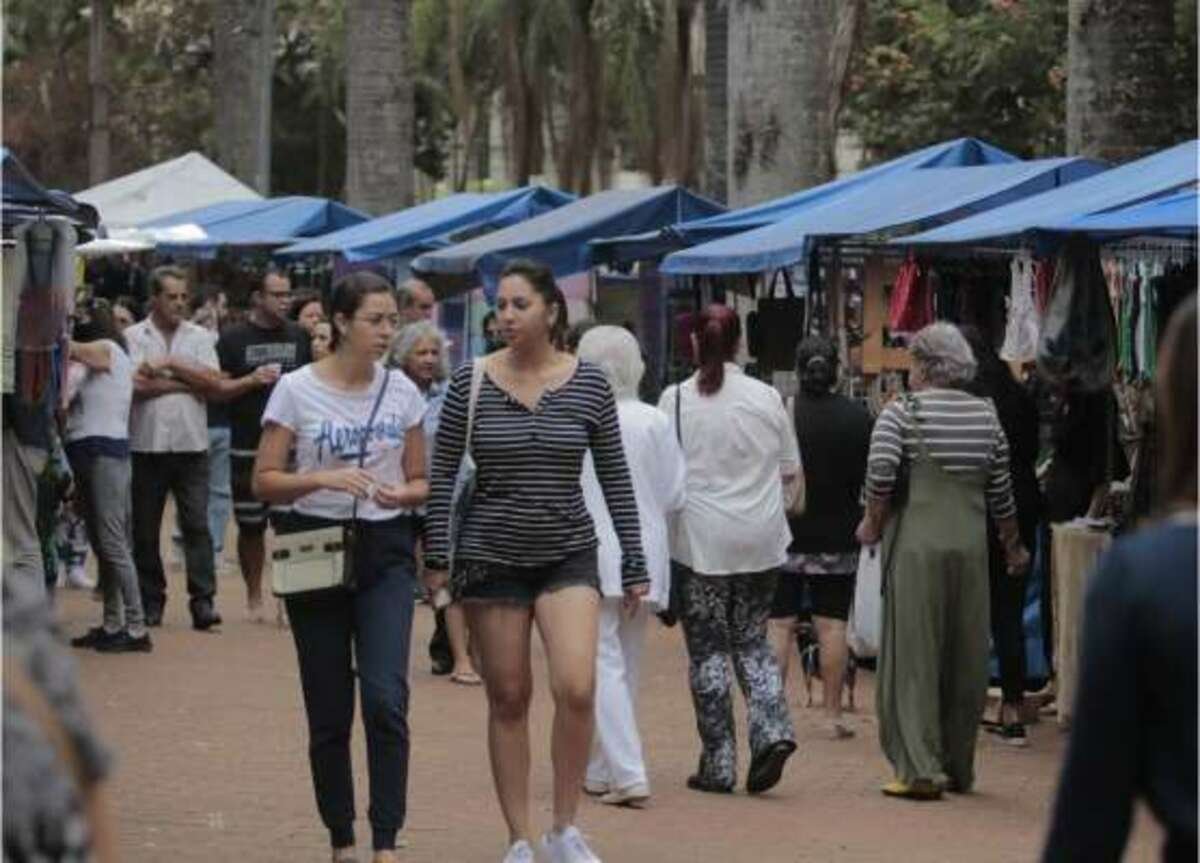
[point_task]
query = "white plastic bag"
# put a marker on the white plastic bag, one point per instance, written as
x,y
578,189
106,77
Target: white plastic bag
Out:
x,y
866,617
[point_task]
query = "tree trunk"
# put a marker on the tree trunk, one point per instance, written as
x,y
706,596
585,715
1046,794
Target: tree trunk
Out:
x,y
716,99
466,117
98,79
1120,102
787,66
584,108
243,65
379,106
523,101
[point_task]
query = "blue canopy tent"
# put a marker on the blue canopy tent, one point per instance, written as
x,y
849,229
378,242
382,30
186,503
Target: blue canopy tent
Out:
x,y
1151,177
25,198
957,153
560,237
432,225
906,200
269,222
1173,215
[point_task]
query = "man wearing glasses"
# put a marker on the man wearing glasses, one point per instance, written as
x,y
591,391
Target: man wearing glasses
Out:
x,y
254,354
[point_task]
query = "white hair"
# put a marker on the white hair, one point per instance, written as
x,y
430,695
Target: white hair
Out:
x,y
943,355
409,336
616,352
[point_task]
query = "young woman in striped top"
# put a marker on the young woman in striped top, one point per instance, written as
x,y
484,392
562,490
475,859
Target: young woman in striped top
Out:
x,y
526,552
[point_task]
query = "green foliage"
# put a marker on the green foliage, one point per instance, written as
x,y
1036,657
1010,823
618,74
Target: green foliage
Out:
x,y
929,70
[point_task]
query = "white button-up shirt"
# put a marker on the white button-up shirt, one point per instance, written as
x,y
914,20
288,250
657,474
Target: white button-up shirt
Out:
x,y
177,422
738,444
657,470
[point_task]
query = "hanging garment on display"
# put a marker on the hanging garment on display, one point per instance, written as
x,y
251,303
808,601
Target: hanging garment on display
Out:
x,y
45,303
1043,284
1077,343
1021,330
1146,333
911,306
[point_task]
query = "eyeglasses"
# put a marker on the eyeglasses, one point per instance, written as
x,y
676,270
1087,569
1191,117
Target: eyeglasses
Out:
x,y
392,321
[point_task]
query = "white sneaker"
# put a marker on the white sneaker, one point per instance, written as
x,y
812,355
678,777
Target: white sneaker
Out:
x,y
567,847
634,795
77,578
520,852
595,788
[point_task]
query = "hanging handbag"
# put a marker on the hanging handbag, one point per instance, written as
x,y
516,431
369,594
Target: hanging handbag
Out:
x,y
464,482
326,557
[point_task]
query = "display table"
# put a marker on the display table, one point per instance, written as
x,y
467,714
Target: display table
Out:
x,y
1075,548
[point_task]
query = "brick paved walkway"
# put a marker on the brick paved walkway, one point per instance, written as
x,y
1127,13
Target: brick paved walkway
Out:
x,y
212,767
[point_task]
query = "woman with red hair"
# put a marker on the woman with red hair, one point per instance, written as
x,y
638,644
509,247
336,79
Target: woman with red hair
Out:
x,y
730,540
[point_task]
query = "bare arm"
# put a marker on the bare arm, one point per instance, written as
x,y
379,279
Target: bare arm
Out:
x,y
272,482
227,389
147,386
97,356
201,380
414,489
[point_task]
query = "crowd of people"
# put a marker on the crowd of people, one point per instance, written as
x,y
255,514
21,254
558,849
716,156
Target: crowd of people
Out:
x,y
533,488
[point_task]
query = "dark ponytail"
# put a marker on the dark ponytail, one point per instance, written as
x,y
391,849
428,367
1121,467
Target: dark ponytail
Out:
x,y
718,331
541,279
817,365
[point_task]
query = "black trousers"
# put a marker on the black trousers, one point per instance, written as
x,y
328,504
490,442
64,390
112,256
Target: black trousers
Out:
x,y
368,631
1007,615
185,476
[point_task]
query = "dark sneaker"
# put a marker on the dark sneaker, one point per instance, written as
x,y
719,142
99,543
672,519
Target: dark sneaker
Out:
x,y
123,642
204,616
94,637
154,614
767,766
1012,734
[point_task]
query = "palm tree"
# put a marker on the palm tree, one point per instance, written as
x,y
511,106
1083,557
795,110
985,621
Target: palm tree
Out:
x,y
716,99
379,106
98,82
243,66
787,69
1120,99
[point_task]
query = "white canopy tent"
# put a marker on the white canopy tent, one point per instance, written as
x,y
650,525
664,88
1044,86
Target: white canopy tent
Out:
x,y
185,183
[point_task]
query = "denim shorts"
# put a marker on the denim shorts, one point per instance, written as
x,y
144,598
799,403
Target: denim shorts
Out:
x,y
485,581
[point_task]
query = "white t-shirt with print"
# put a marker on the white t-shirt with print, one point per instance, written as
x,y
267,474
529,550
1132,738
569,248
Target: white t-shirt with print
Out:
x,y
330,427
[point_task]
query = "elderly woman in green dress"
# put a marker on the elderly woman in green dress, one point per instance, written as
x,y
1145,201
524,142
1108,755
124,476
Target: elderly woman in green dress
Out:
x,y
938,463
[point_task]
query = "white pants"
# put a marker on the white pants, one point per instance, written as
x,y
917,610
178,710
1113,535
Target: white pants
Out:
x,y
616,745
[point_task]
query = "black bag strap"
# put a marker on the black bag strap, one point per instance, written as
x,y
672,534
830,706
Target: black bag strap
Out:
x,y
362,452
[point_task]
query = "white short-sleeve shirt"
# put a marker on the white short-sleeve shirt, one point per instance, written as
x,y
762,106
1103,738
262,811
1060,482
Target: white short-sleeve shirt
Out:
x,y
330,426
177,422
738,444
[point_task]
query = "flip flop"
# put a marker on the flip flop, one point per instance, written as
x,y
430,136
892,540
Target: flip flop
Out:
x,y
466,678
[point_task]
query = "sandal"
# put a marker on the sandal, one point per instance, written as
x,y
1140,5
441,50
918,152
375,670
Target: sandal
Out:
x,y
466,678
918,789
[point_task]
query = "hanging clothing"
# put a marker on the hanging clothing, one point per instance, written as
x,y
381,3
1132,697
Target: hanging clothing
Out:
x,y
911,306
1021,331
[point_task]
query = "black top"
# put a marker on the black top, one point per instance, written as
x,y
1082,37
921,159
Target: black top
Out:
x,y
1018,414
528,507
834,434
241,349
1135,729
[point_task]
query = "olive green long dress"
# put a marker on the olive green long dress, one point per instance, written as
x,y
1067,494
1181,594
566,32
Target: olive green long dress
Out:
x,y
933,657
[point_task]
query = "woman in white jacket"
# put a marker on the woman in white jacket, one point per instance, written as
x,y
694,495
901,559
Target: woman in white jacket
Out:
x,y
617,770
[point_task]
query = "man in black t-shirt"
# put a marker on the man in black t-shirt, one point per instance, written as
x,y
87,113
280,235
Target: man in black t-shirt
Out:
x,y
254,354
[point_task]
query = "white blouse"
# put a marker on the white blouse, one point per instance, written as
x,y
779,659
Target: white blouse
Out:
x,y
738,444
657,470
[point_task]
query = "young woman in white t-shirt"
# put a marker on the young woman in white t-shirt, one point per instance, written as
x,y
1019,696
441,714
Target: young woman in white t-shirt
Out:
x,y
322,411
99,395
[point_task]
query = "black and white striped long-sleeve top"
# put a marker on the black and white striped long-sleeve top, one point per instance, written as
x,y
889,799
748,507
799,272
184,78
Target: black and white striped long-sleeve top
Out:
x,y
528,508
963,435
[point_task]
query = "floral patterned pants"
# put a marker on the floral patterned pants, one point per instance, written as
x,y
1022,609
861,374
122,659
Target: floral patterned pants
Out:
x,y
724,619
